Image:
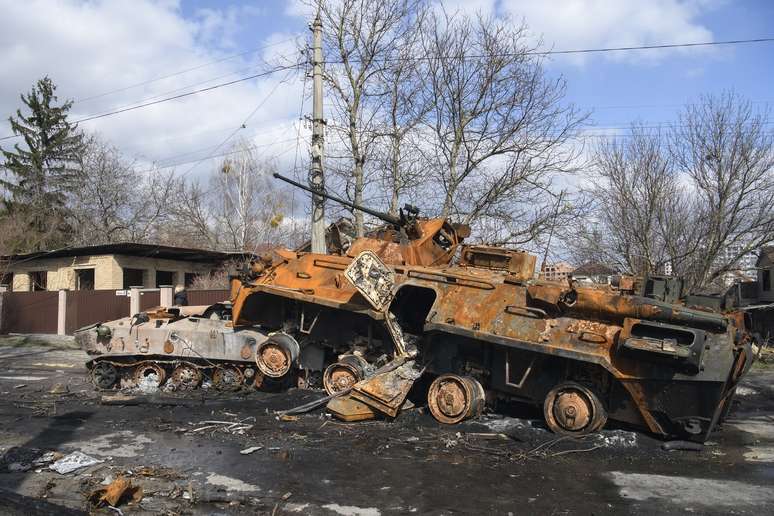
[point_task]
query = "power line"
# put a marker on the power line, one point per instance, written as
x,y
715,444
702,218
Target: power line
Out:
x,y
180,72
175,97
211,156
162,161
240,127
565,52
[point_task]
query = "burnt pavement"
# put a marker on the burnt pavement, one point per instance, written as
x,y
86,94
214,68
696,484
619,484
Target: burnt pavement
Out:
x,y
209,452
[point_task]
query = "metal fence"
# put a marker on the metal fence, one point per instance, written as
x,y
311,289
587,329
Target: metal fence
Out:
x,y
85,307
29,312
38,312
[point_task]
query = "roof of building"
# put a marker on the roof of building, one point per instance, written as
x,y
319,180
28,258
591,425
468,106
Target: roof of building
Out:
x,y
767,253
130,249
594,269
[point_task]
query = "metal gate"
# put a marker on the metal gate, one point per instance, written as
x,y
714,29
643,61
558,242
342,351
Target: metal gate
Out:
x,y
29,312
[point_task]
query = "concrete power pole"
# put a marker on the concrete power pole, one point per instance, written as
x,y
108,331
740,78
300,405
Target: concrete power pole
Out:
x,y
316,176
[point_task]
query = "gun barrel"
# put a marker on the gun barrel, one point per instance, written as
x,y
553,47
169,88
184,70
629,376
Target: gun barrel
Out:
x,y
384,216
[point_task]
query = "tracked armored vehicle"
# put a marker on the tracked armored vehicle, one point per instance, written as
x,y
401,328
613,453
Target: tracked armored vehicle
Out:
x,y
392,310
177,347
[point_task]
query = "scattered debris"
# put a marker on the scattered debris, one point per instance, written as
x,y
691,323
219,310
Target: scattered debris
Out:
x,y
48,457
252,449
682,445
59,388
119,491
745,391
230,427
72,462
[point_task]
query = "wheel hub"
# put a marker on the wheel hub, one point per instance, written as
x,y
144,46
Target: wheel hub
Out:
x,y
104,375
339,377
572,411
275,360
227,378
186,377
451,398
149,376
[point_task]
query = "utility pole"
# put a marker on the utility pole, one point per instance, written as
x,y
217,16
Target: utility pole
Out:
x,y
316,176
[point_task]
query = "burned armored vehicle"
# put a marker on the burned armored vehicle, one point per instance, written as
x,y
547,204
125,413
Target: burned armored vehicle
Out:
x,y
181,347
175,347
391,310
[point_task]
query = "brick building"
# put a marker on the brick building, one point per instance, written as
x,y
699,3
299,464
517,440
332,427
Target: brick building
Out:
x,y
110,266
556,271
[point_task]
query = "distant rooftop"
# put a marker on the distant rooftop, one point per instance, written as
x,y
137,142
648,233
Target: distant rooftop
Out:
x,y
131,249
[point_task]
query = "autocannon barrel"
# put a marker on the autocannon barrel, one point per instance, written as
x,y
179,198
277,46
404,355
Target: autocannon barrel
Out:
x,y
396,221
607,305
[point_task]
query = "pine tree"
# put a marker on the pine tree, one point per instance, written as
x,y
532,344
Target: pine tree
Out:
x,y
41,171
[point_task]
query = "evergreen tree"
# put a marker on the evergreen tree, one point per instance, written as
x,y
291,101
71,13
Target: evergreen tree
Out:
x,y
42,171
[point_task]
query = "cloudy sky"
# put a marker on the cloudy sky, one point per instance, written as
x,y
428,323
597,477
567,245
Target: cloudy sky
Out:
x,y
112,54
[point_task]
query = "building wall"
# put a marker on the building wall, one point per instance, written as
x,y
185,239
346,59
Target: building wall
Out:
x,y
151,265
766,295
108,271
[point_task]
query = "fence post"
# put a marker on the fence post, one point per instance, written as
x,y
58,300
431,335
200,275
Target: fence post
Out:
x,y
134,300
3,289
165,296
61,314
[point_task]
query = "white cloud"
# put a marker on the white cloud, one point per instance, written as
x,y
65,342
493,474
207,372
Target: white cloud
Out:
x,y
580,24
89,48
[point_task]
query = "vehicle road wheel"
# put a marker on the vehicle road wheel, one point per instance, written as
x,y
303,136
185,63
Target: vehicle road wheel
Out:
x,y
149,375
572,409
342,375
104,375
454,398
186,377
227,378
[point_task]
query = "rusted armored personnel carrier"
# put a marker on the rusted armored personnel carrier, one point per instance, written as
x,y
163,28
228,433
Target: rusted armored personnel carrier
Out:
x,y
393,308
183,346
179,347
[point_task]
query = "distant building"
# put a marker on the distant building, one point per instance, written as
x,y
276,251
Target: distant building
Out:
x,y
744,269
110,266
765,266
556,271
594,273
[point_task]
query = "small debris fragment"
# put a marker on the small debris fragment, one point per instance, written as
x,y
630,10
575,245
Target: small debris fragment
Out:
x,y
72,462
682,445
20,386
59,388
120,490
252,449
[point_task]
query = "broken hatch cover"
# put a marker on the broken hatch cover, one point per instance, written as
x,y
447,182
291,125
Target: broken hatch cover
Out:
x,y
372,278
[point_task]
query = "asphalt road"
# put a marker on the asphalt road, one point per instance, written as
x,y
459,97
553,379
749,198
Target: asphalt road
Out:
x,y
499,464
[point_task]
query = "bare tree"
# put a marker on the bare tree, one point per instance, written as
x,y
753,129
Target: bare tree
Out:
x,y
114,201
401,111
722,145
242,210
359,38
498,129
692,202
638,196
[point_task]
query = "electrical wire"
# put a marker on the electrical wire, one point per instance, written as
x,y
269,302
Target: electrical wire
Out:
x,y
180,72
175,97
241,126
563,52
